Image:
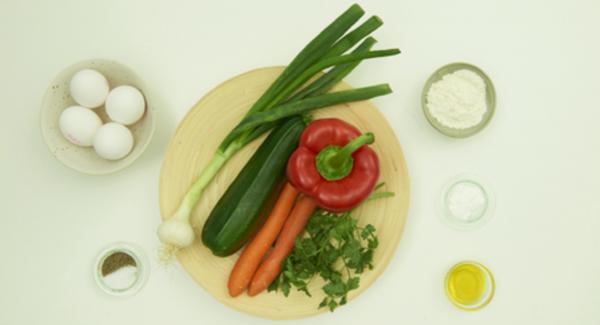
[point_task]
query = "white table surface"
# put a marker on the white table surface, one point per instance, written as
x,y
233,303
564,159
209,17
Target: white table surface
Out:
x,y
540,153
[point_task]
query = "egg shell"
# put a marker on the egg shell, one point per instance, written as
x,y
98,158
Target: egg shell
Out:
x,y
125,105
89,88
113,141
79,125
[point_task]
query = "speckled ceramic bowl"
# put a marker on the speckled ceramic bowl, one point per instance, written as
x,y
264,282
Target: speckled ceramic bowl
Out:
x,y
57,98
490,100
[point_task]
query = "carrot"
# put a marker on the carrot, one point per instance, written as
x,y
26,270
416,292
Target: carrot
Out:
x,y
271,266
246,265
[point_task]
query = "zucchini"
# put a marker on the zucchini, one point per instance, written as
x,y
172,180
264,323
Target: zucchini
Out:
x,y
240,211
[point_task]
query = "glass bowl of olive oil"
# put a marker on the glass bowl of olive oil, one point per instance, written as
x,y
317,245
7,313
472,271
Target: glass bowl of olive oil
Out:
x,y
470,286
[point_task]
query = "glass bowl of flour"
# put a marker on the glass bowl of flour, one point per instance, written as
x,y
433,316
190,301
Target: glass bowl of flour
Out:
x,y
458,100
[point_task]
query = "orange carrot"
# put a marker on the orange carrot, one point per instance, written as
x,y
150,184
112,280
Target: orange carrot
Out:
x,y
271,266
254,252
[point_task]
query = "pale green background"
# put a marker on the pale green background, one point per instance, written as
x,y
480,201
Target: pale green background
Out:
x,y
540,153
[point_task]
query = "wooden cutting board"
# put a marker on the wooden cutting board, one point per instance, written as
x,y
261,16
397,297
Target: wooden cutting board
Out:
x,y
195,140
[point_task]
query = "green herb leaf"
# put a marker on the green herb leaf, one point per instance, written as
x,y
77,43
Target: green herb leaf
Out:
x,y
324,303
334,289
285,288
367,231
305,290
353,283
332,305
334,248
344,300
274,285
290,275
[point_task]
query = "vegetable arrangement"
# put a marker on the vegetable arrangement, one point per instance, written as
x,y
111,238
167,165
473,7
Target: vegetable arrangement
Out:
x,y
330,237
291,94
308,230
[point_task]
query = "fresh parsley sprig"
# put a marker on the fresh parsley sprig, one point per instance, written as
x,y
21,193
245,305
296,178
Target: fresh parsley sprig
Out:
x,y
333,247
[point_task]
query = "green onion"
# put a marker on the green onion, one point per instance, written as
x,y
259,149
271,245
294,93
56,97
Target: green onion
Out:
x,y
328,62
352,38
335,75
318,87
312,103
311,72
311,53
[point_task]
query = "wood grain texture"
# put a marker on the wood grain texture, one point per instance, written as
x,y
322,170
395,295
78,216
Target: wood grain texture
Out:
x,y
195,140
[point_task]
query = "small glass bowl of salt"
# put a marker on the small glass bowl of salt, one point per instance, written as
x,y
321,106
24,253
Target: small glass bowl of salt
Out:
x,y
121,269
458,100
466,203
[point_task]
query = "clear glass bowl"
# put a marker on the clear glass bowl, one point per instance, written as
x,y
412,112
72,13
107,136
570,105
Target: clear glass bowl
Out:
x,y
490,100
478,216
140,275
452,280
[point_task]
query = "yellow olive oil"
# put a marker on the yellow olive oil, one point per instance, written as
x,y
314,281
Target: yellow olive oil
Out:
x,y
469,285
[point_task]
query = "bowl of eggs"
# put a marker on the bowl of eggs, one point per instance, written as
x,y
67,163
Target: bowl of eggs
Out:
x,y
96,117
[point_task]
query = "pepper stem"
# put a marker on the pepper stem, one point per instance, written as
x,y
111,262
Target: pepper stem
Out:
x,y
334,163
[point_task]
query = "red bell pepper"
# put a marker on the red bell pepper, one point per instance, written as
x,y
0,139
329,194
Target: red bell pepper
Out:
x,y
334,165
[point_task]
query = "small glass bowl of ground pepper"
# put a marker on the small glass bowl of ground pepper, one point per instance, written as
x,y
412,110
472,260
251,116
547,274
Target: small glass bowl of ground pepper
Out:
x,y
458,100
121,269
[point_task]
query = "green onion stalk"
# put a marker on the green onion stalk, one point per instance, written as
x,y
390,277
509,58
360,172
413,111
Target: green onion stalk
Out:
x,y
290,94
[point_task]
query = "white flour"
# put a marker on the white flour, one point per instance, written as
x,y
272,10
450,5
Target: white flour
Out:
x,y
458,100
466,201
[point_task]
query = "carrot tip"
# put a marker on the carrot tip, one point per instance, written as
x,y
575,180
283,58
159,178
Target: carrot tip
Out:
x,y
255,289
235,291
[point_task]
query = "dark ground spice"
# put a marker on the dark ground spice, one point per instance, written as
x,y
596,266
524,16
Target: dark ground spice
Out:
x,y
116,261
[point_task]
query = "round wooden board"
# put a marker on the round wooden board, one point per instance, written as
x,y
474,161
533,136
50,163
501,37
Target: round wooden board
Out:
x,y
195,140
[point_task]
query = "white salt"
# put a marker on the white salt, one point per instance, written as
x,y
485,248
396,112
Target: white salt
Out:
x,y
122,278
466,201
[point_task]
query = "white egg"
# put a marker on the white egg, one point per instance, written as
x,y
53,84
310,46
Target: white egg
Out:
x,y
125,105
113,141
79,125
89,88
